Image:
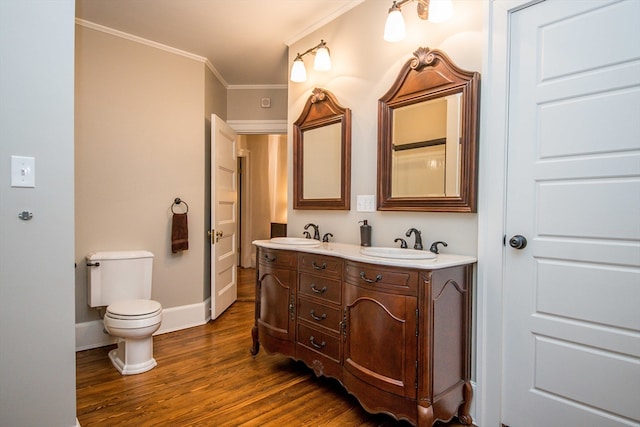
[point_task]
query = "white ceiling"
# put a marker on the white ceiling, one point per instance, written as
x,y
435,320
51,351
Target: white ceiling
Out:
x,y
245,40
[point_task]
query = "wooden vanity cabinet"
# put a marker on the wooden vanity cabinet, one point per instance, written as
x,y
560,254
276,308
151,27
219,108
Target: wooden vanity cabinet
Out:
x,y
276,282
397,338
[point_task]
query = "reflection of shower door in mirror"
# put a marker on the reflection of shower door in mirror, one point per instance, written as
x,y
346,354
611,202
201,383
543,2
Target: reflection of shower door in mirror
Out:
x,y
224,212
426,148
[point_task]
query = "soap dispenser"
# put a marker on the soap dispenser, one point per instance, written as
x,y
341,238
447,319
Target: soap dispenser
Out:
x,y
365,233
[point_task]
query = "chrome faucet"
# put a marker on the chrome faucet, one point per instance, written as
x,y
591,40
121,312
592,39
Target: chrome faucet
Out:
x,y
316,230
418,236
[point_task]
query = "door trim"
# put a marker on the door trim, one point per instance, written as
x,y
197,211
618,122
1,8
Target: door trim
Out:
x,y
491,210
258,126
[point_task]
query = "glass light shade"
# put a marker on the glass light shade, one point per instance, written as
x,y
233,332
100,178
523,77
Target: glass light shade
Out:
x,y
440,10
298,71
323,60
394,30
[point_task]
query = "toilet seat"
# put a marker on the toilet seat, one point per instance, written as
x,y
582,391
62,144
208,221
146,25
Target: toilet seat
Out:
x,y
136,309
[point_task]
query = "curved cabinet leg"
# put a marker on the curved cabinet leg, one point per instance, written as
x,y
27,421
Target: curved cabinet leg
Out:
x,y
425,416
463,411
255,346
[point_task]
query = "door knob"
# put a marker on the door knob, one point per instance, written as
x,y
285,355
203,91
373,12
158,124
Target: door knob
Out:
x,y
518,242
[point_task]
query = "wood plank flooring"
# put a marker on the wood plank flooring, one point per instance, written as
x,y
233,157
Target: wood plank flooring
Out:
x,y
207,377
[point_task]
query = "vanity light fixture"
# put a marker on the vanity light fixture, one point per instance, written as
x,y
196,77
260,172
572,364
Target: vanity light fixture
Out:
x,y
431,10
322,62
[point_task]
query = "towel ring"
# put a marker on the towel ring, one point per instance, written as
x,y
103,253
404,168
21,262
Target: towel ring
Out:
x,y
178,201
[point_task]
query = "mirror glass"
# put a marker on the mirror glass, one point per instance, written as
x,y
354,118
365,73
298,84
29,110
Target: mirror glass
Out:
x,y
321,158
427,137
322,154
426,149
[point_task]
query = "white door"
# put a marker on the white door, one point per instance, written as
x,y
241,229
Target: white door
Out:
x,y
224,216
572,295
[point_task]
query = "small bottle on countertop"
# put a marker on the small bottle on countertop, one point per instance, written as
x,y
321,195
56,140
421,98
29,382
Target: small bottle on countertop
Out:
x,y
365,233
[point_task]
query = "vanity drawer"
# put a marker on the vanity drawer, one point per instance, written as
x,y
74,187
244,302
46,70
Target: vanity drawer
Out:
x,y
319,314
399,280
320,287
277,258
322,265
322,342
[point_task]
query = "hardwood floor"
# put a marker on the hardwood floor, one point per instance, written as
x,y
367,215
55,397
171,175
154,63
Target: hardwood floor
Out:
x,y
206,377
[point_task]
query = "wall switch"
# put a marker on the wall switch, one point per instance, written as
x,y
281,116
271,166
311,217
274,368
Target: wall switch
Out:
x,y
366,203
23,171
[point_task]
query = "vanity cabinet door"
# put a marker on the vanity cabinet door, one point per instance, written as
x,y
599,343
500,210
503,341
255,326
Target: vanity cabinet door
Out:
x,y
276,300
380,339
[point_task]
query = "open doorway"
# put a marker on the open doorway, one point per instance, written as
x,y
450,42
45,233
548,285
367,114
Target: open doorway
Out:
x,y
262,184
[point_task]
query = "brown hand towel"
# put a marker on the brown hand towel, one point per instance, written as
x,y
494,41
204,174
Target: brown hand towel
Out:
x,y
179,233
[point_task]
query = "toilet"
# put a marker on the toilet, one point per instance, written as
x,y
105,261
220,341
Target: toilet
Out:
x,y
121,282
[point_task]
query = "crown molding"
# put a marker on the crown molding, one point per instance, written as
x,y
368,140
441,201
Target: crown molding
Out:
x,y
151,43
251,87
344,9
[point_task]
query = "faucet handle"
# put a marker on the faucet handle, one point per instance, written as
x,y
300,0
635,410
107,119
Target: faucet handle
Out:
x,y
307,235
326,236
403,243
434,246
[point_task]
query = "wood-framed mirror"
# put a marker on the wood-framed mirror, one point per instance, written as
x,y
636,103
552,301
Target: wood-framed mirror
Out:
x,y
428,137
322,154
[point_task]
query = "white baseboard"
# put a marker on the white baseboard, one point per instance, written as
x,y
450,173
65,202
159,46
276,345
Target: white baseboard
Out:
x,y
91,334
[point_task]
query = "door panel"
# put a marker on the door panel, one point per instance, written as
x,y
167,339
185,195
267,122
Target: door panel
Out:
x,y
381,342
572,323
224,215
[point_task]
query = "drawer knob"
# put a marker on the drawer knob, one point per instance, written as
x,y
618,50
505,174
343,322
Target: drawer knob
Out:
x,y
319,267
366,279
315,344
316,317
269,258
315,289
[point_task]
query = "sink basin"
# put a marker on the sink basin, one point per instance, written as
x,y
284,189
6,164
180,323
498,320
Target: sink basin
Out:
x,y
397,253
295,241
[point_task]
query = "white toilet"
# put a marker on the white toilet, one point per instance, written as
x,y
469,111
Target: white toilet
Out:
x,y
121,281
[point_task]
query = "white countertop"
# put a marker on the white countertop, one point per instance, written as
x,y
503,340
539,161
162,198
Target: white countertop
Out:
x,y
352,253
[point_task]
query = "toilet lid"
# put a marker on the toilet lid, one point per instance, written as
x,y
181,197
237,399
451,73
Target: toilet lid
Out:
x,y
138,308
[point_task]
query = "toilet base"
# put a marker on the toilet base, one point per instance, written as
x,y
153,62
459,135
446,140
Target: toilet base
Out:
x,y
133,356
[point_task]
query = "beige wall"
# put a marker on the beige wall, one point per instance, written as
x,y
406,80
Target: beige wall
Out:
x,y
364,67
245,103
141,140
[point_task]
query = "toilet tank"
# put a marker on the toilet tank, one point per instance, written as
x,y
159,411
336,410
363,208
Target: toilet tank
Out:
x,y
117,276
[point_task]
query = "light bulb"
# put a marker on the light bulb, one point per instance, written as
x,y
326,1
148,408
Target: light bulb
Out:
x,y
394,30
323,60
298,71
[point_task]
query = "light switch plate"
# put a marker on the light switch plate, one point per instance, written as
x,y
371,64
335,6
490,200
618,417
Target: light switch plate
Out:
x,y
23,171
366,203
